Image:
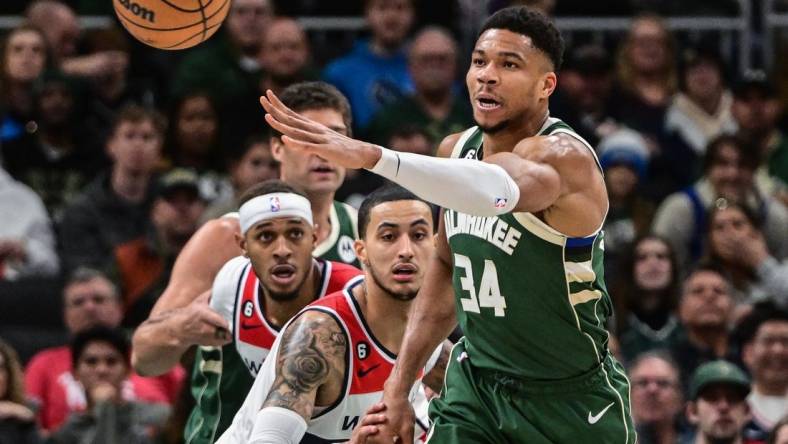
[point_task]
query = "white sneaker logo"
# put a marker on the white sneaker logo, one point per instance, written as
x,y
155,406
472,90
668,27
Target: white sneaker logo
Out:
x,y
592,419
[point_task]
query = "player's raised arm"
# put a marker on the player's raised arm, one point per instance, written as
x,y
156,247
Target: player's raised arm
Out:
x,y
312,352
503,183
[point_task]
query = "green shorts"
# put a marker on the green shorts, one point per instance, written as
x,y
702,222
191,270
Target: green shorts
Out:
x,y
479,406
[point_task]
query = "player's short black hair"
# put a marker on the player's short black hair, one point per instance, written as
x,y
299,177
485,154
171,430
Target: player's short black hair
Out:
x,y
115,337
390,192
305,96
526,21
268,187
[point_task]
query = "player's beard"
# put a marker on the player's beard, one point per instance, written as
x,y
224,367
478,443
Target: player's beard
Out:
x,y
285,297
400,296
492,129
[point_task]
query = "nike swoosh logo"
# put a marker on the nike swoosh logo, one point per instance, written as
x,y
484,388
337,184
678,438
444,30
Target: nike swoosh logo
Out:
x,y
593,419
246,326
364,372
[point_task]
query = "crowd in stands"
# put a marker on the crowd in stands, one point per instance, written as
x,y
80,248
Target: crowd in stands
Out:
x,y
113,154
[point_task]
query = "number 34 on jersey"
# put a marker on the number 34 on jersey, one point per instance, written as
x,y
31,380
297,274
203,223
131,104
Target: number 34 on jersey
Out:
x,y
489,293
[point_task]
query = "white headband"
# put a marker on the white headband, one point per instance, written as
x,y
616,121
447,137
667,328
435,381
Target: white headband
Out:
x,y
274,205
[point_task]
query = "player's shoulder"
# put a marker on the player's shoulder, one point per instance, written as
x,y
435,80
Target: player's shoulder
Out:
x,y
449,143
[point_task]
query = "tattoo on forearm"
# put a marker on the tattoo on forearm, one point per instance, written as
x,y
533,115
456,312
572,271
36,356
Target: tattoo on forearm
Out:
x,y
310,349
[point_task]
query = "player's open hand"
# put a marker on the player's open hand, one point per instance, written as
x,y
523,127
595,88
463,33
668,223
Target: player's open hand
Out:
x,y
301,133
368,427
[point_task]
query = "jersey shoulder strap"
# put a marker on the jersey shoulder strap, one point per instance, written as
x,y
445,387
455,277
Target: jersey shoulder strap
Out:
x,y
470,139
228,282
557,126
340,275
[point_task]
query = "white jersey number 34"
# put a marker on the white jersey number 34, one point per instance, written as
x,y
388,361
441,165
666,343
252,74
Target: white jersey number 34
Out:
x,y
489,294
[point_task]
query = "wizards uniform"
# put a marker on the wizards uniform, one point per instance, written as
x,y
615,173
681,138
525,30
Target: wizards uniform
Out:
x,y
368,365
533,305
222,376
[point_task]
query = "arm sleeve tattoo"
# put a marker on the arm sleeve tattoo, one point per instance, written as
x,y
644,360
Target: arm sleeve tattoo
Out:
x,y
434,379
312,348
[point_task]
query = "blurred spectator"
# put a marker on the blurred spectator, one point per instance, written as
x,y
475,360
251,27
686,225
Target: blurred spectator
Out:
x,y
253,165
624,158
61,30
17,421
194,142
682,217
705,311
412,139
58,155
756,108
114,207
432,63
375,72
717,406
284,55
647,80
144,264
647,298
779,434
24,57
27,244
228,67
736,244
765,353
89,300
101,365
583,96
701,111
656,398
114,89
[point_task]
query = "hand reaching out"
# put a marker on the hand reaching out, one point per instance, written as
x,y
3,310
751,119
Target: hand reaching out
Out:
x,y
301,133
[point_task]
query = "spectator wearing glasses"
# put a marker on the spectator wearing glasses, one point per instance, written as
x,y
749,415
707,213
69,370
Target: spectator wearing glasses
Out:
x,y
89,300
656,398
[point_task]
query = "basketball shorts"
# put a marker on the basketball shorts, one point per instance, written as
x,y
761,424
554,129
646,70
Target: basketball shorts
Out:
x,y
481,406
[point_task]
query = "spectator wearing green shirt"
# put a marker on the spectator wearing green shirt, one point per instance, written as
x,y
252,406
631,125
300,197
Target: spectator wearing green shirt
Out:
x,y
432,62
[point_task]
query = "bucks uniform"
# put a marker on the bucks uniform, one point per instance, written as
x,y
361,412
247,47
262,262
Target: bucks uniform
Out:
x,y
338,246
222,376
534,365
368,365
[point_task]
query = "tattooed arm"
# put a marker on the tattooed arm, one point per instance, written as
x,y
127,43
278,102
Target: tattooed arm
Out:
x,y
312,353
434,378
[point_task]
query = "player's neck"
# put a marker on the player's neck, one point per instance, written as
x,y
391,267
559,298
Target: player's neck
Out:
x,y
321,213
385,316
506,139
279,312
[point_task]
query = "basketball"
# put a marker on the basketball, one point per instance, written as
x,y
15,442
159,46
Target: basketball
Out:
x,y
171,24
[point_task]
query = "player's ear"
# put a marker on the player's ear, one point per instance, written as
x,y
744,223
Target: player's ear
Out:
x,y
549,82
276,148
360,247
241,241
314,236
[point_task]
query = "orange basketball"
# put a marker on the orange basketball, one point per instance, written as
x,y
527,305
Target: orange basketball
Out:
x,y
171,24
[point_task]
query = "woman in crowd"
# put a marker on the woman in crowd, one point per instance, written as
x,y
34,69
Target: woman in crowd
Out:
x,y
736,243
647,297
17,421
24,58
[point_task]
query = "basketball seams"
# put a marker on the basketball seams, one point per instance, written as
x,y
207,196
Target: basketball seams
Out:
x,y
212,15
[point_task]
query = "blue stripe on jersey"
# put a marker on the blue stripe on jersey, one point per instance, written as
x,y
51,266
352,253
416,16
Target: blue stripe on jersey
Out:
x,y
573,242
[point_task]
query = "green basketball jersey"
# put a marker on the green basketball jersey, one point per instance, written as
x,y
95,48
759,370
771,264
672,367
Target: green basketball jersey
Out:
x,y
531,301
338,246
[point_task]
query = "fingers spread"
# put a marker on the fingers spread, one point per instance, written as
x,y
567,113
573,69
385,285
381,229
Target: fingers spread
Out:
x,y
297,133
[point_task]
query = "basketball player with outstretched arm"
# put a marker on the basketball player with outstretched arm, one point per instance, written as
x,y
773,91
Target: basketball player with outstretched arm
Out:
x,y
519,253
